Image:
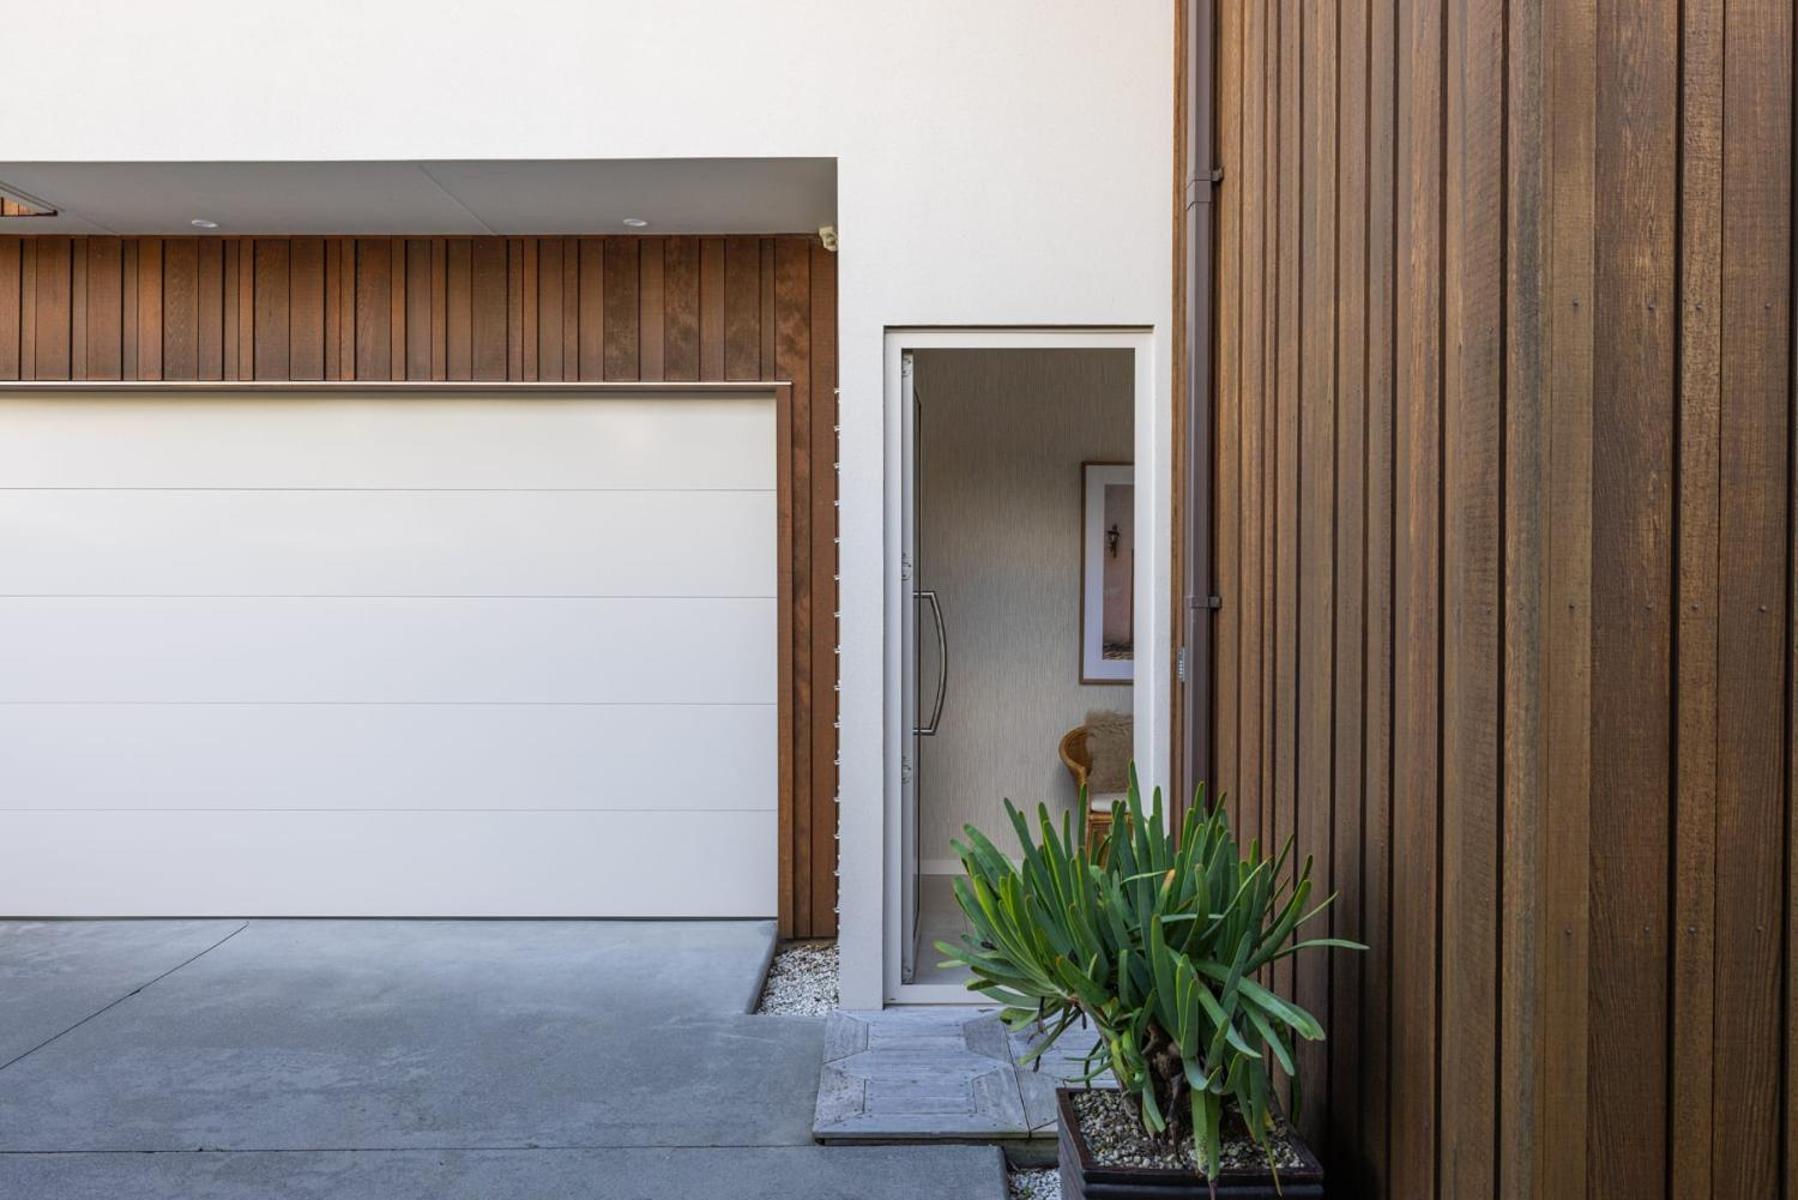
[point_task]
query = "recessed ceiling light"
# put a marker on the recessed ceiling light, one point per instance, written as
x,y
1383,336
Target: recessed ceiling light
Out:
x,y
203,223
635,222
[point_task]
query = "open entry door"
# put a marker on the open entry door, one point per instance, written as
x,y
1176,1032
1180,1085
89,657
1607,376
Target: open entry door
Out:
x,y
909,690
923,710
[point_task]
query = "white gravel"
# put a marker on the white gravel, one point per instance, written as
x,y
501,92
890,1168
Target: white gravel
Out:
x,y
802,982
1114,1137
1037,1183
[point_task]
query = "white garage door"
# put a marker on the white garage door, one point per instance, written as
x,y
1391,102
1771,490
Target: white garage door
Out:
x,y
401,654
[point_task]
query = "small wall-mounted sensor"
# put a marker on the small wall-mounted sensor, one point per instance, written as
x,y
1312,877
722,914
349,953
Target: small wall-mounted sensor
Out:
x,y
828,235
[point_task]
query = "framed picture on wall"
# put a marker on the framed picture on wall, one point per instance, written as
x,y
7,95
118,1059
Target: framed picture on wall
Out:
x,y
1107,573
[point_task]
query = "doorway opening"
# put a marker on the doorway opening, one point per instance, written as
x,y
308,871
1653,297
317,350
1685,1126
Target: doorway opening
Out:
x,y
1026,639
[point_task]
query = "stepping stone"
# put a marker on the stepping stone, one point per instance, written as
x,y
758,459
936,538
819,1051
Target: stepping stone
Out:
x,y
938,1073
1061,1065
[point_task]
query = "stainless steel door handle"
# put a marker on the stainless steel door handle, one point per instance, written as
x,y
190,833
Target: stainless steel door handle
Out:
x,y
942,650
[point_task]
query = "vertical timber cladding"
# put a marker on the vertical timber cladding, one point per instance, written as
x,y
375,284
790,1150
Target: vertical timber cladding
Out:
x,y
1505,520
515,309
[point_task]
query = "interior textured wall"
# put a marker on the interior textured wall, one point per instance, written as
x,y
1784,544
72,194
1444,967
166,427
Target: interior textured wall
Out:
x,y
1002,439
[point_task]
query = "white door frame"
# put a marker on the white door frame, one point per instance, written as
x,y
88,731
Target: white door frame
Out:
x,y
1151,691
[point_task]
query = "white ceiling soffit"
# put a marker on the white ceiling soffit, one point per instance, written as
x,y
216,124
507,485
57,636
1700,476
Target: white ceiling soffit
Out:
x,y
674,195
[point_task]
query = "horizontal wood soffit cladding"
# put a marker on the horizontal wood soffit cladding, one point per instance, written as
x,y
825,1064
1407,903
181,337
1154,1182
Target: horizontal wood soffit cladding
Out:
x,y
466,311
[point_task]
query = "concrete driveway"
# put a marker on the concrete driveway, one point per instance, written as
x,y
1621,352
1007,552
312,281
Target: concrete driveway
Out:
x,y
441,1059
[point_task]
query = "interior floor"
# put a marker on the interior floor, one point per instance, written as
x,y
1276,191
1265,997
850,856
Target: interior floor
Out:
x,y
940,919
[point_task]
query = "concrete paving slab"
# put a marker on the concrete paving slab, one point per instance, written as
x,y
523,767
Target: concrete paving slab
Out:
x,y
783,1173
1061,1065
56,974
385,1035
941,1073
405,1059
937,1073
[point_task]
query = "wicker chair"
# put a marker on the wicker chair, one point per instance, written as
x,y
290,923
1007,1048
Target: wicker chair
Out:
x,y
1077,756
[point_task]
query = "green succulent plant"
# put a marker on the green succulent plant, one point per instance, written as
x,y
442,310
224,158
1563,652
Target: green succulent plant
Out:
x,y
1156,940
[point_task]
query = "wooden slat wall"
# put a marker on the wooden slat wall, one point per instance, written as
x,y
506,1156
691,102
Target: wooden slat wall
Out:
x,y
1505,528
489,308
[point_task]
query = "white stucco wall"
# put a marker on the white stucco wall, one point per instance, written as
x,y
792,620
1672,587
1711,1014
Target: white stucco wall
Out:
x,y
1000,162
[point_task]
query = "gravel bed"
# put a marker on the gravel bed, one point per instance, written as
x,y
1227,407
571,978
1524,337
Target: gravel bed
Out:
x,y
802,981
1036,1183
1115,1138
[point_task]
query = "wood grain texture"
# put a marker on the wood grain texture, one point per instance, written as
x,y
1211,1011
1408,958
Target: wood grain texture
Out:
x,y
78,310
711,309
374,308
396,327
820,363
1569,196
1526,520
149,309
1227,465
274,322
334,309
765,279
439,308
1472,559
1314,590
28,306
1417,732
1536,260
1348,715
232,312
652,309
458,303
1282,716
621,308
348,309
103,322
487,308
1633,461
1753,623
592,309
549,308
420,325
742,308
52,283
10,310
517,366
246,308
1699,602
306,309
680,285
210,339
1248,781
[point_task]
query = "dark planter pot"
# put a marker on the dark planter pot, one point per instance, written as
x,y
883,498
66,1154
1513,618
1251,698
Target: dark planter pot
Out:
x,y
1084,1179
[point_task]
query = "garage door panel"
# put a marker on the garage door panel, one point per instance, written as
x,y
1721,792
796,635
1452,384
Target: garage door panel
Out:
x,y
387,543
333,864
213,650
675,758
366,653
361,440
